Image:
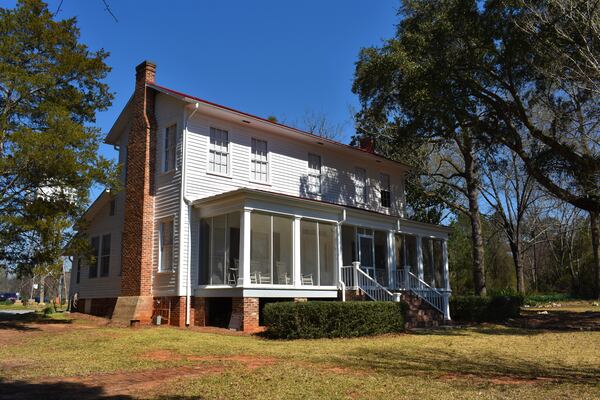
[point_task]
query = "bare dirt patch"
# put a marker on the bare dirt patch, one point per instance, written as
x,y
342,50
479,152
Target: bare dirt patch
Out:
x,y
249,361
558,320
496,380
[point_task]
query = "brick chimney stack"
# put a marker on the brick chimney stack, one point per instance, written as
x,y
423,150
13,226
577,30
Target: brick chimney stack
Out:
x,y
135,302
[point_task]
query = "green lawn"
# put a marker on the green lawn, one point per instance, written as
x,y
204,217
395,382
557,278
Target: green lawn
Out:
x,y
482,362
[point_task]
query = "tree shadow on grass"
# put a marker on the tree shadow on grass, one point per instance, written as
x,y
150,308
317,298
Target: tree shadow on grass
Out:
x,y
485,329
484,365
27,322
17,390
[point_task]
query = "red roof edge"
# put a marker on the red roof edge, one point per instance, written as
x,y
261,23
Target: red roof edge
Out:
x,y
335,142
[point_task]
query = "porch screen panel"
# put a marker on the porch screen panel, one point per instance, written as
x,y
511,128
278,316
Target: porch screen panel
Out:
x,y
233,250
438,263
219,250
327,253
309,260
204,248
260,245
283,250
348,245
381,255
400,250
410,244
426,248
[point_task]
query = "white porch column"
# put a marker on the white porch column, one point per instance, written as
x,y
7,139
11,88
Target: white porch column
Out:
x,y
446,279
420,257
244,274
297,244
391,259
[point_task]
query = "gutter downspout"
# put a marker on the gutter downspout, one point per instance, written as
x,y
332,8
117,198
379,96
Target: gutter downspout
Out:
x,y
186,202
339,232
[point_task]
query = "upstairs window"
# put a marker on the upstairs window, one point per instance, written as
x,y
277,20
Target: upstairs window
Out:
x,y
93,271
259,161
105,256
385,190
170,147
166,246
314,173
360,185
218,158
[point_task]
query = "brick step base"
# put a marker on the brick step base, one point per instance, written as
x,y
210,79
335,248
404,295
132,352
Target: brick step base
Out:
x,y
418,315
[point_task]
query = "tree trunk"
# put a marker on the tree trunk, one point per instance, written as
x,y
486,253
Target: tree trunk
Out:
x,y
477,244
595,228
42,289
515,249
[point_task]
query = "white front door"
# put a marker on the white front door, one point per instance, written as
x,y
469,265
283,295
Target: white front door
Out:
x,y
366,254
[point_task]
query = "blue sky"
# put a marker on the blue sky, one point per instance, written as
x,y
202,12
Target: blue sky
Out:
x,y
264,57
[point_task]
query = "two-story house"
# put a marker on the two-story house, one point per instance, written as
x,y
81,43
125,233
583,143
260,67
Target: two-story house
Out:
x,y
223,211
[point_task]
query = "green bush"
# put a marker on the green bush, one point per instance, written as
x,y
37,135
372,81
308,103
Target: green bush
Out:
x,y
329,319
496,308
48,310
535,299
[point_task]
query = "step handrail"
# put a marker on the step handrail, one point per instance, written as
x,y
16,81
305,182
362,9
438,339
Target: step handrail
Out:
x,y
426,292
371,287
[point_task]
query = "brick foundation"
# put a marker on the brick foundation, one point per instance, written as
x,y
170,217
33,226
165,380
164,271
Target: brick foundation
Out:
x,y
103,307
199,311
171,309
246,309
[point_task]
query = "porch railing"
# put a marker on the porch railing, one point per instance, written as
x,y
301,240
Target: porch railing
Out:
x,y
355,278
427,292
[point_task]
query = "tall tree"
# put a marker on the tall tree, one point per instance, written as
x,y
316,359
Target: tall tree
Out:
x,y
502,71
403,104
510,192
50,90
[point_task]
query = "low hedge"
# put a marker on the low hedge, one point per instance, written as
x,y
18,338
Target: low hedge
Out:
x,y
329,319
485,309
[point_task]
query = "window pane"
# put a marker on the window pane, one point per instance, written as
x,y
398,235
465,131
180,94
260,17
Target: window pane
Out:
x,y
260,260
93,271
308,253
283,250
105,256
218,250
327,253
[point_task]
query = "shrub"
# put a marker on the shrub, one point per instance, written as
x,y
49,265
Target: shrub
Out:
x,y
329,319
496,308
48,310
535,299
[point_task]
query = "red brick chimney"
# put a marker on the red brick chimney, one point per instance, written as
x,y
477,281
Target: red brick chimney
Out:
x,y
135,302
367,144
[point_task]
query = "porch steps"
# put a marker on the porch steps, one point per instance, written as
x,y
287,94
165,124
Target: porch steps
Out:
x,y
419,314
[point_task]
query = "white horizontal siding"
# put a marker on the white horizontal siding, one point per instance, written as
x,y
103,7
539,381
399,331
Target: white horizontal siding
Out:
x,y
167,199
288,167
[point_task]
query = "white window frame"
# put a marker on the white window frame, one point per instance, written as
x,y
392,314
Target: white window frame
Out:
x,y
312,175
161,247
383,177
102,256
257,160
169,158
360,186
222,151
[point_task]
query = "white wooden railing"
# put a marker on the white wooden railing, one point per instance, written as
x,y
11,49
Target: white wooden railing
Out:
x,y
353,277
427,292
